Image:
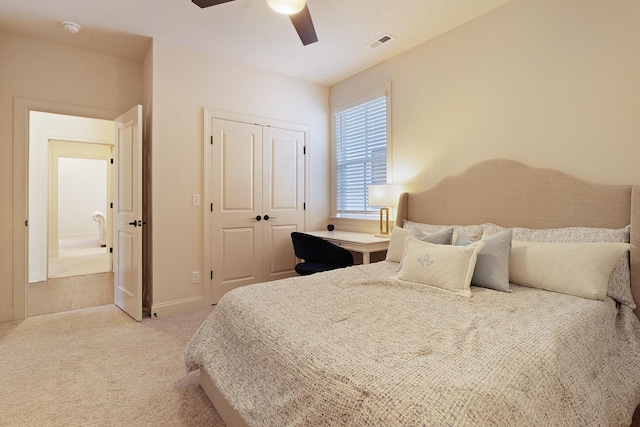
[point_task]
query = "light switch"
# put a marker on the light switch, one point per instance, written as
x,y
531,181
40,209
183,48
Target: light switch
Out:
x,y
195,199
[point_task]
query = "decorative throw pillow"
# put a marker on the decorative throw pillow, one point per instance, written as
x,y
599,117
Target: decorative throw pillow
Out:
x,y
474,231
580,269
443,266
620,280
398,236
492,266
442,237
396,243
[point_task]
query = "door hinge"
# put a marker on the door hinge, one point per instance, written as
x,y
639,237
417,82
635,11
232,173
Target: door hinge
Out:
x,y
110,250
111,161
26,222
304,150
211,207
304,206
211,274
111,205
211,139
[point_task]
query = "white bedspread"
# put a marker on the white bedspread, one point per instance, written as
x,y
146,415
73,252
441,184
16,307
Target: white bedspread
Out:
x,y
353,348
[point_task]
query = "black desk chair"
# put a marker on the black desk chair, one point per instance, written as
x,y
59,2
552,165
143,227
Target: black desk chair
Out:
x,y
318,254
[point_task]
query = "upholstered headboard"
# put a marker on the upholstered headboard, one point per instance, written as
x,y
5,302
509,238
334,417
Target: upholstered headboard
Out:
x,y
511,194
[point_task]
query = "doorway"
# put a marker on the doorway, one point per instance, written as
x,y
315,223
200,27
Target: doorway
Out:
x,y
79,225
70,190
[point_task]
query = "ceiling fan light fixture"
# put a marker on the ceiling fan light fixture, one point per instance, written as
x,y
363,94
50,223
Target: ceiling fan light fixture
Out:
x,y
287,7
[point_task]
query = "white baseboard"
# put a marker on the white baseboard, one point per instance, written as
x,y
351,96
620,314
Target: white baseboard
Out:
x,y
177,307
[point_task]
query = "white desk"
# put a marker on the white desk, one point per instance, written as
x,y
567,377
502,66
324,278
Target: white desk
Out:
x,y
357,242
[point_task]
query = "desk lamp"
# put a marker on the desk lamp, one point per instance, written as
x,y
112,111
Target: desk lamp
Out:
x,y
386,196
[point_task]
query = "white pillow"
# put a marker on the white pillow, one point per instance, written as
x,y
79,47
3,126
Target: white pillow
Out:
x,y
580,269
620,279
396,244
443,266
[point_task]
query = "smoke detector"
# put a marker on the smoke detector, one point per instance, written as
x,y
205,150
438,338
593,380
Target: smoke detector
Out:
x,y
71,27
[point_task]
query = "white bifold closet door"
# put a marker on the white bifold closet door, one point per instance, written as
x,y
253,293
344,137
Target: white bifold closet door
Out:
x,y
258,182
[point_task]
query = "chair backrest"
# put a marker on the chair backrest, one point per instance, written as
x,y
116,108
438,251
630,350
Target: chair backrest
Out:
x,y
316,249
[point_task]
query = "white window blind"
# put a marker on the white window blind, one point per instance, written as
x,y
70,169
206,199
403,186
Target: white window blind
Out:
x,y
361,155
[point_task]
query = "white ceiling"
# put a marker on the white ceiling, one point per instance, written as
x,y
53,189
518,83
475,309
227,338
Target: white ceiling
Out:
x,y
247,30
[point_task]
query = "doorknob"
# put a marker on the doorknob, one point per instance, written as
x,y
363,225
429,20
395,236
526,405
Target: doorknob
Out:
x,y
258,218
134,223
267,217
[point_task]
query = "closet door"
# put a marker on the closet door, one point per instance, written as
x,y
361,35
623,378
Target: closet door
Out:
x,y
283,199
237,205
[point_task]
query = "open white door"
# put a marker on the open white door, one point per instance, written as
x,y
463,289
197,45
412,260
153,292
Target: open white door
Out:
x,y
127,208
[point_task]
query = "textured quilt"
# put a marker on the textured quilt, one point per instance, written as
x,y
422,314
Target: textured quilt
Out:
x,y
355,347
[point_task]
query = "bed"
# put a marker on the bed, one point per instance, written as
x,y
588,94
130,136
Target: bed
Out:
x,y
373,345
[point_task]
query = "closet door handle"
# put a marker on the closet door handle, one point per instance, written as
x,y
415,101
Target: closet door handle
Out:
x,y
267,217
258,218
134,223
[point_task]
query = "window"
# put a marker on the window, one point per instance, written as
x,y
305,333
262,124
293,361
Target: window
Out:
x,y
361,155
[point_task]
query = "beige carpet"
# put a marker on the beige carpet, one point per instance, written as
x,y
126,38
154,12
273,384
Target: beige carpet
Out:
x,y
70,293
97,367
77,257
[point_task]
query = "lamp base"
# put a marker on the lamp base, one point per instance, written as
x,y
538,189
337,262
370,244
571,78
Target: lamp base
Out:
x,y
384,221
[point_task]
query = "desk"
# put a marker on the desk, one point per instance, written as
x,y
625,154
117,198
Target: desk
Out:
x,y
357,242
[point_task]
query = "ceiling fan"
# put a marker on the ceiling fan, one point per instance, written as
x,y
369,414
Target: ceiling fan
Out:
x,y
296,9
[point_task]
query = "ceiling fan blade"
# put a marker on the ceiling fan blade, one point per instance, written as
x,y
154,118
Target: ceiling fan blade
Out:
x,y
304,26
207,3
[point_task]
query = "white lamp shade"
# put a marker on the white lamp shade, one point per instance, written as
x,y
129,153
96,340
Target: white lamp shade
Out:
x,y
287,7
386,195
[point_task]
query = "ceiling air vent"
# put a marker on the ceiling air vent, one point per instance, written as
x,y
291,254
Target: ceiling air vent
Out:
x,y
380,41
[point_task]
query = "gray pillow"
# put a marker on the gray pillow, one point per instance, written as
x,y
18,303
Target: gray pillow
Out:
x,y
492,266
440,238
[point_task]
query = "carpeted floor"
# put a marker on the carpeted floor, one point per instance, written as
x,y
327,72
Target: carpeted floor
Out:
x,y
98,367
70,293
79,256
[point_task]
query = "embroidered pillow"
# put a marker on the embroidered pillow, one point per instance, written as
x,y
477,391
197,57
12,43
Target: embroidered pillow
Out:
x,y
443,266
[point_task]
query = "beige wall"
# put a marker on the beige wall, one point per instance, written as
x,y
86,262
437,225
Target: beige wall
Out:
x,y
186,81
175,85
550,83
49,74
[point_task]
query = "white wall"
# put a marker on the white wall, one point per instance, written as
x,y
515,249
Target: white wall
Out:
x,y
82,190
185,81
550,83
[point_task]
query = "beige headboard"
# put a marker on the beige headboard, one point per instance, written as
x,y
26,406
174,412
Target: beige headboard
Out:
x,y
511,194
